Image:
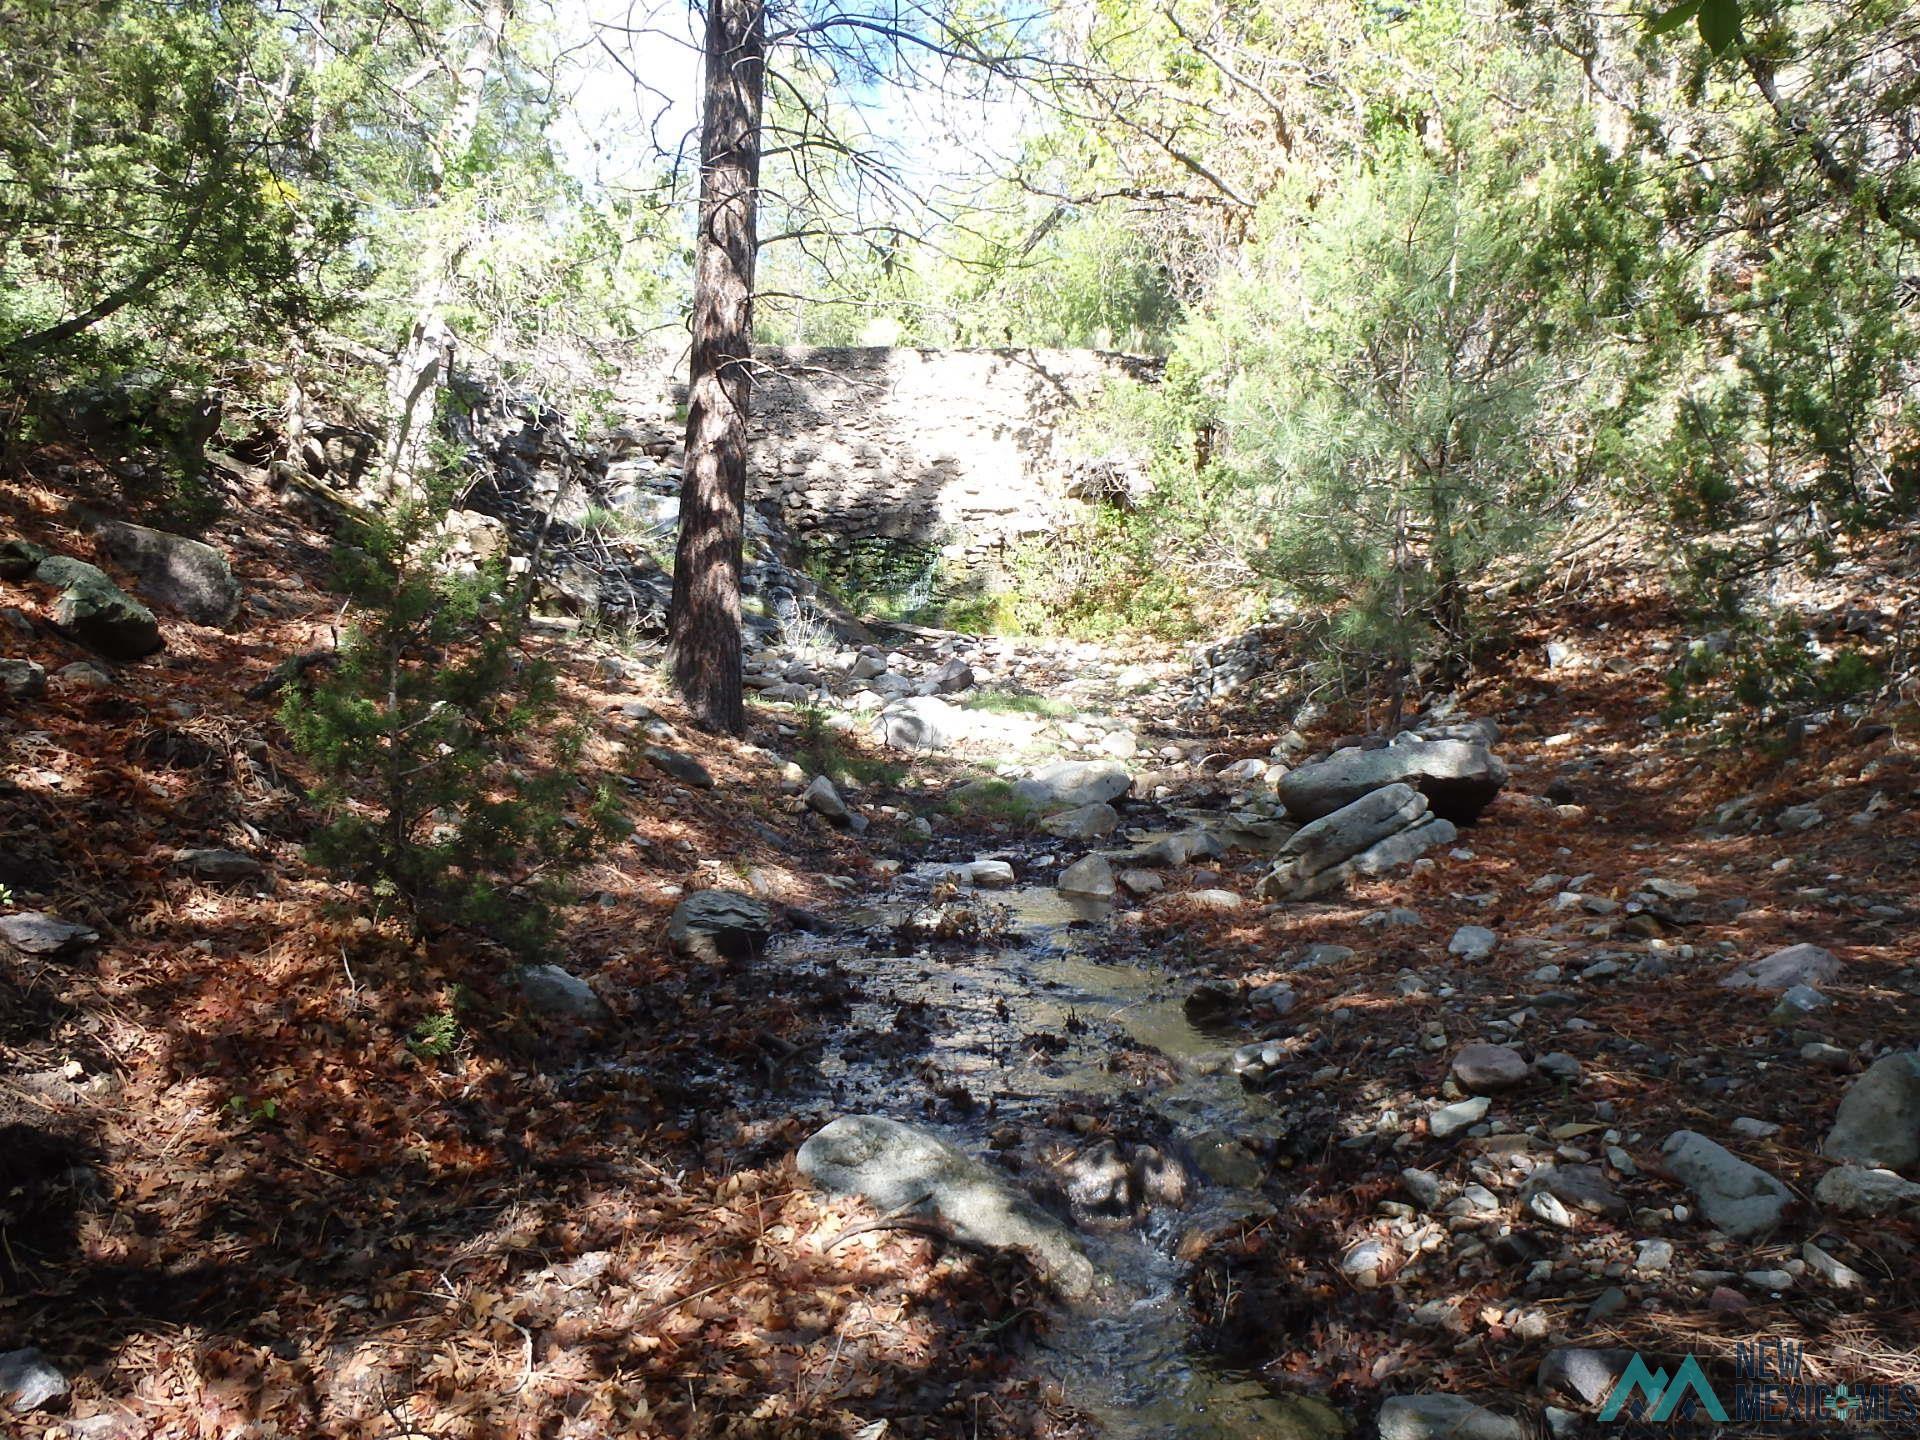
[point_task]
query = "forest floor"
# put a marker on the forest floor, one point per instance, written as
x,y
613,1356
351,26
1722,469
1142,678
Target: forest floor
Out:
x,y
268,1170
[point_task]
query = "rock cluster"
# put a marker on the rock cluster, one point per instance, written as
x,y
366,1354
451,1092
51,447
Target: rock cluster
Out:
x,y
1453,767
1381,829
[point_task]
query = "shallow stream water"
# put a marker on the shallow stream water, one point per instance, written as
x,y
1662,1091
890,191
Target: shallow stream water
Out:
x,y
1129,1357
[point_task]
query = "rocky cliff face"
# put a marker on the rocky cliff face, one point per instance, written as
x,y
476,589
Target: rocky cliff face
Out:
x,y
964,449
943,455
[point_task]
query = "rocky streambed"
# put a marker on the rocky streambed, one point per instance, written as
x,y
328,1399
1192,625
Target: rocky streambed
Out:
x,y
1005,1076
1444,1170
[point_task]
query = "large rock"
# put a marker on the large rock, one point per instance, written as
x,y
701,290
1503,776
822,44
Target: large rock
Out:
x,y
922,722
549,990
1083,822
1353,828
34,933
903,1171
1459,777
1091,877
1487,1069
1381,830
1584,1187
1859,1190
1784,969
1446,1417
20,558
83,675
715,925
188,575
1575,1372
96,613
1452,1119
1739,1198
218,864
22,679
1473,943
821,798
953,677
680,765
1879,1120
1070,784
29,1382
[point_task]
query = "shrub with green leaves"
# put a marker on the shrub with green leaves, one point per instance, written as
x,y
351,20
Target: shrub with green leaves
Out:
x,y
451,786
1765,674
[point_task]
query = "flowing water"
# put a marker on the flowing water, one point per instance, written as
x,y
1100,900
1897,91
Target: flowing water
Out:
x,y
1027,1019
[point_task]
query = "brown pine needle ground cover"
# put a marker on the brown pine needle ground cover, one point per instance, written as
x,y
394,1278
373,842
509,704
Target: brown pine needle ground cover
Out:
x,y
1476,1313
265,1170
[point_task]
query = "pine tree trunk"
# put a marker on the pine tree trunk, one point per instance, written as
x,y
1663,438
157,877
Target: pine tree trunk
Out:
x,y
704,622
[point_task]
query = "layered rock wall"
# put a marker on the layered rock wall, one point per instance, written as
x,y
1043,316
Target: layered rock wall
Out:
x,y
965,449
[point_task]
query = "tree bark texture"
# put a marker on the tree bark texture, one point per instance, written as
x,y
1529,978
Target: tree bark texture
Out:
x,y
704,620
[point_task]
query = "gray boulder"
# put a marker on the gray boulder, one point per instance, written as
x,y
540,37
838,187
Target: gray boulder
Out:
x,y
549,990
1460,778
83,675
714,925
188,575
33,933
1180,848
1860,1190
1378,832
1575,1372
953,677
1473,942
1487,1069
1446,1417
922,722
96,613
22,679
1353,828
1739,1198
1452,1119
1879,1120
680,765
217,864
1083,822
1401,849
978,874
901,1170
821,798
1783,969
29,1382
1584,1187
1091,877
20,558
1069,784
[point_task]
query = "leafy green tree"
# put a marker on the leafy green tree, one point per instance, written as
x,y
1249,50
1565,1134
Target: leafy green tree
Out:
x,y
152,164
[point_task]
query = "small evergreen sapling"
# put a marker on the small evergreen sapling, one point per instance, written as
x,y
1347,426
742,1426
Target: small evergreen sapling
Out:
x,y
425,731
